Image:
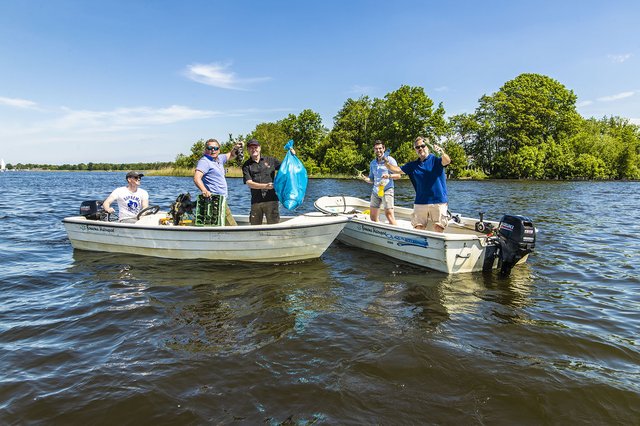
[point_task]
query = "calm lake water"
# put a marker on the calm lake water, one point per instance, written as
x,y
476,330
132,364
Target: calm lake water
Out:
x,y
351,338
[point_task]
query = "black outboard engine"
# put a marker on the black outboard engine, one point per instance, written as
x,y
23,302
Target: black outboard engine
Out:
x,y
93,210
515,239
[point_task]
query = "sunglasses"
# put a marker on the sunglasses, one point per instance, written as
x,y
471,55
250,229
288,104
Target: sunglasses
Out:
x,y
137,178
419,146
212,148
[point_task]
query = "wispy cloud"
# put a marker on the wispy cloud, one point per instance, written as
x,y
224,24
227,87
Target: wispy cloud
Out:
x,y
219,75
126,118
18,103
620,58
635,121
441,89
584,104
616,97
357,89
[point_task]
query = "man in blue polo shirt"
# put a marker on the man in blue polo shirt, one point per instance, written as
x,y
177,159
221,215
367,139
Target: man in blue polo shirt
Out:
x,y
209,176
429,181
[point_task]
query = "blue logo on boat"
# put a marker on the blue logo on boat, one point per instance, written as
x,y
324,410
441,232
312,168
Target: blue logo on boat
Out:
x,y
400,240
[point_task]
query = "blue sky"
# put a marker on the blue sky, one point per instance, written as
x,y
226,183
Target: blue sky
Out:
x,y
141,81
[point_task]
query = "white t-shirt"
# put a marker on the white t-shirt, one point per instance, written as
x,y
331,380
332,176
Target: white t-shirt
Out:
x,y
129,203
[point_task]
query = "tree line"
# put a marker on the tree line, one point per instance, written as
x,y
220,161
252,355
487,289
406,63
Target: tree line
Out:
x,y
93,166
528,129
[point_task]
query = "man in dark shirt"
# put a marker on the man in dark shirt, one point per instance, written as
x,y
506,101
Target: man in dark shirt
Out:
x,y
258,173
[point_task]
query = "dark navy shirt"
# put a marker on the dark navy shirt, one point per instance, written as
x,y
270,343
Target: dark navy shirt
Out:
x,y
428,179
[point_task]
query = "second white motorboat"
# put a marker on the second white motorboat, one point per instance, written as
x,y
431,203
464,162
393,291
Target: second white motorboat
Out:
x,y
467,245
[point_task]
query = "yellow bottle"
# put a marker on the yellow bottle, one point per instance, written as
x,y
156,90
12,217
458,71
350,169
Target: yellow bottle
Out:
x,y
381,186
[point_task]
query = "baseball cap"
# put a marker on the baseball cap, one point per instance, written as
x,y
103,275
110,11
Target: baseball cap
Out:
x,y
134,175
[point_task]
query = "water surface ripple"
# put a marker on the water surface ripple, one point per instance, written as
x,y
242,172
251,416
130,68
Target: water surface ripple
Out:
x,y
353,337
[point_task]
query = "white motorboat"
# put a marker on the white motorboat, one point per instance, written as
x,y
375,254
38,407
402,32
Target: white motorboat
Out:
x,y
467,245
296,238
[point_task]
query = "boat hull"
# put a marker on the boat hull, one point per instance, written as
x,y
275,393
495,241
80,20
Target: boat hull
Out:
x,y
440,254
296,239
460,249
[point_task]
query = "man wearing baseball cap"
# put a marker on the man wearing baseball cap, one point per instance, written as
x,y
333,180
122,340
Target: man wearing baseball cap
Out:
x,y
210,172
258,173
131,199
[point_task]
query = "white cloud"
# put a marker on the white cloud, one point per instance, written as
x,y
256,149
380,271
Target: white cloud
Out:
x,y
616,97
126,118
620,58
218,75
357,89
584,104
635,121
18,103
441,89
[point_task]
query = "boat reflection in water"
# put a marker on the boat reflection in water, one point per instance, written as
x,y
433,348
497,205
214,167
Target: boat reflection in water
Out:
x,y
214,307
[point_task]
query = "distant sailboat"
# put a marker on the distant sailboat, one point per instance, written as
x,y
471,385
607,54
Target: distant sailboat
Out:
x,y
3,165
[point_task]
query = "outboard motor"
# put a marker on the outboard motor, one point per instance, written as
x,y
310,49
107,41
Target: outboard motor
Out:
x,y
93,210
516,237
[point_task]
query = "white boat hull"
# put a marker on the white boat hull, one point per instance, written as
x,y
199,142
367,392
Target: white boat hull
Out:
x,y
295,239
459,249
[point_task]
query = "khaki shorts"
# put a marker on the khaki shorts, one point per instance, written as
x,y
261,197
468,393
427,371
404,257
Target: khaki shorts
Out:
x,y
429,215
229,220
386,201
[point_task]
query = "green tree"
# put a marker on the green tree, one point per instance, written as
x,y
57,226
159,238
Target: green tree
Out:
x,y
353,122
590,167
351,131
340,154
272,139
402,116
458,159
559,160
306,130
527,111
189,161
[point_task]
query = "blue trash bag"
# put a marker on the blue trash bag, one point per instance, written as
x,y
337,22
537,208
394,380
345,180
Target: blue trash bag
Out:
x,y
291,181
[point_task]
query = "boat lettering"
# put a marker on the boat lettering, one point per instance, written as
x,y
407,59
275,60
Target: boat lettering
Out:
x,y
399,239
506,226
96,228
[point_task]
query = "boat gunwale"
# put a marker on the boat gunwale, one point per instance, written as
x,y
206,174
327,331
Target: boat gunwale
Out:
x,y
421,232
447,236
282,226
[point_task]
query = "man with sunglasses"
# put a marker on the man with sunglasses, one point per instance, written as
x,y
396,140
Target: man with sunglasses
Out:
x,y
429,181
131,199
209,176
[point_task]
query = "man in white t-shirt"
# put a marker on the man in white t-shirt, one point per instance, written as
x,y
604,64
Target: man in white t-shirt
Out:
x,y
131,199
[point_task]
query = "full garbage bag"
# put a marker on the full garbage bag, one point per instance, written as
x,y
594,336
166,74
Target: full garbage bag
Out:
x,y
291,181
